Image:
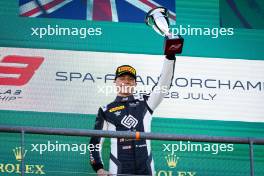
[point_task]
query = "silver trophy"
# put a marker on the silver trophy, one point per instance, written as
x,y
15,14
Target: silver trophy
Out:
x,y
158,19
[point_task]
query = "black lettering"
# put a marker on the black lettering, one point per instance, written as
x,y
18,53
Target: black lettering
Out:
x,y
199,82
88,76
109,77
74,75
153,82
61,76
249,84
224,84
140,80
209,80
179,84
238,84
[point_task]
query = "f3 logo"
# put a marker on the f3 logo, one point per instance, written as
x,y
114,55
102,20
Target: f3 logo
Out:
x,y
129,121
25,73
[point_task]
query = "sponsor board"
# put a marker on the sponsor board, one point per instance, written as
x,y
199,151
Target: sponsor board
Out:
x,y
15,167
172,162
76,82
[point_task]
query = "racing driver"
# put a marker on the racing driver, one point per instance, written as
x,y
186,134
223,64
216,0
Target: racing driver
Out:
x,y
129,112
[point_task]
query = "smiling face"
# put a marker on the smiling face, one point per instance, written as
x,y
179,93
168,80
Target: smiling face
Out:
x,y
125,85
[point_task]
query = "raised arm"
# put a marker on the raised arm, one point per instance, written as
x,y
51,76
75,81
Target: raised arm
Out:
x,y
164,83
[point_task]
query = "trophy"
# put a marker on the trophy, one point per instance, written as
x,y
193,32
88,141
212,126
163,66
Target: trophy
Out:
x,y
158,19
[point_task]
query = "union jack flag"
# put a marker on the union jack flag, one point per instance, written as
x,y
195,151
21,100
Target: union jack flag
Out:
x,y
97,10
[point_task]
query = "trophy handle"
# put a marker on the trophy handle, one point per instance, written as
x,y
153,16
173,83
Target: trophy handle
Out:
x,y
173,46
149,14
150,21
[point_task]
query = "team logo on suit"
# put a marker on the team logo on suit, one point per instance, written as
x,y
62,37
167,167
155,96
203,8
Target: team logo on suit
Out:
x,y
129,121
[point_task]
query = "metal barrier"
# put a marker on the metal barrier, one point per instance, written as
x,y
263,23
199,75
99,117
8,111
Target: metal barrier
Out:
x,y
131,135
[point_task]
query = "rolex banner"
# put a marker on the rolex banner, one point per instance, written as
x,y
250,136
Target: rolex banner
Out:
x,y
79,82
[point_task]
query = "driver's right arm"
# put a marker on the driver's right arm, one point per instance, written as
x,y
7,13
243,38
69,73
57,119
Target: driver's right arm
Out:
x,y
95,155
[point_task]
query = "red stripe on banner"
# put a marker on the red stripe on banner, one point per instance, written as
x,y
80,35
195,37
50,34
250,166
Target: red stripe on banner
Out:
x,y
52,4
102,10
172,16
31,12
148,3
46,7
